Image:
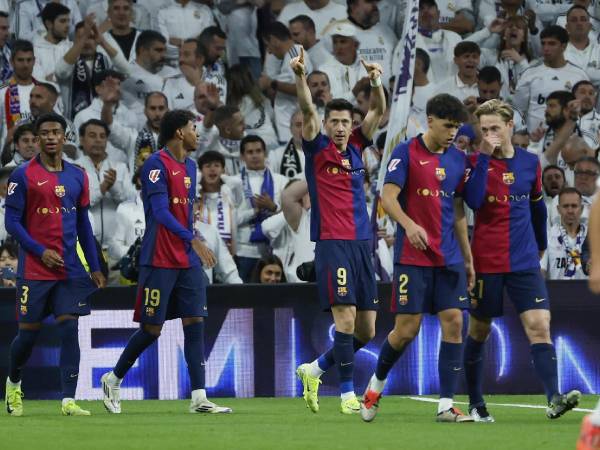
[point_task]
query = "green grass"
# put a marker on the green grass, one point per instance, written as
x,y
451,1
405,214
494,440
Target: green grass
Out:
x,y
285,423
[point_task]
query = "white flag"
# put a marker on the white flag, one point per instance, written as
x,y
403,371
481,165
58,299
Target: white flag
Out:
x,y
403,88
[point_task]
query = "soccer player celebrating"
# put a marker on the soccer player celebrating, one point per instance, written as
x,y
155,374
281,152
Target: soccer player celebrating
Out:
x,y
47,211
508,239
433,264
340,227
171,283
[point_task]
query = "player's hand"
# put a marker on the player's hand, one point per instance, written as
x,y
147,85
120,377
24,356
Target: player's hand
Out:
x,y
373,69
99,279
206,255
265,202
417,236
52,259
496,25
489,143
297,63
470,271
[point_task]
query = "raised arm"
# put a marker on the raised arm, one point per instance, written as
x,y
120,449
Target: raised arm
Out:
x,y
311,125
291,203
370,124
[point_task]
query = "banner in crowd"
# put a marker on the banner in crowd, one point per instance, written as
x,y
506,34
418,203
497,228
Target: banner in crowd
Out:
x,y
257,335
403,88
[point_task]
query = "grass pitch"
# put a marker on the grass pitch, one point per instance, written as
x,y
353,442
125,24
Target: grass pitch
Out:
x,y
284,423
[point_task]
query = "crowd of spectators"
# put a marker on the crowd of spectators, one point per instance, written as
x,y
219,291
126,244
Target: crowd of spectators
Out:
x,y
113,68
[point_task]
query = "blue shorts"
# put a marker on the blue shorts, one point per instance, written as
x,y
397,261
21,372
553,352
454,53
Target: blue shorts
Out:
x,y
36,299
165,294
417,289
345,274
526,289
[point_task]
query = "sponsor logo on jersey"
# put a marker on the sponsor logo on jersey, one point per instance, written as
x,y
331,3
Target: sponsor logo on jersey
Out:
x,y
42,210
425,192
507,198
154,175
342,171
180,200
59,190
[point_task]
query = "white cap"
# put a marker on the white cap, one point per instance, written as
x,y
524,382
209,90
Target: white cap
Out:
x,y
344,29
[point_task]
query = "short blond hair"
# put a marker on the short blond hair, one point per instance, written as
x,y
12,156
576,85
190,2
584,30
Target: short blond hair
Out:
x,y
495,107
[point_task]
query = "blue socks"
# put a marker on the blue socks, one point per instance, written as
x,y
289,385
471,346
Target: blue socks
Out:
x,y
138,342
343,353
20,351
473,363
193,348
69,356
544,361
326,360
387,358
449,368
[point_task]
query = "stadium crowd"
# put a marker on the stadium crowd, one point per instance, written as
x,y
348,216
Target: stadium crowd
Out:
x,y
113,68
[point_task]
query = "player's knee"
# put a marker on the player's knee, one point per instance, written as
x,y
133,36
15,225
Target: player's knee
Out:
x,y
154,330
344,326
405,333
452,325
479,329
364,335
538,330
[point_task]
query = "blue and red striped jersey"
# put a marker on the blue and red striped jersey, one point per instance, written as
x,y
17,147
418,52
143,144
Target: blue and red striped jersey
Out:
x,y
162,175
503,238
336,188
429,182
47,203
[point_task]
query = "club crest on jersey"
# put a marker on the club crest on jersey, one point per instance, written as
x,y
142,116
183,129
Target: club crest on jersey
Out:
x,y
346,163
403,299
23,310
342,291
508,178
154,175
11,188
568,85
440,173
59,190
187,182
